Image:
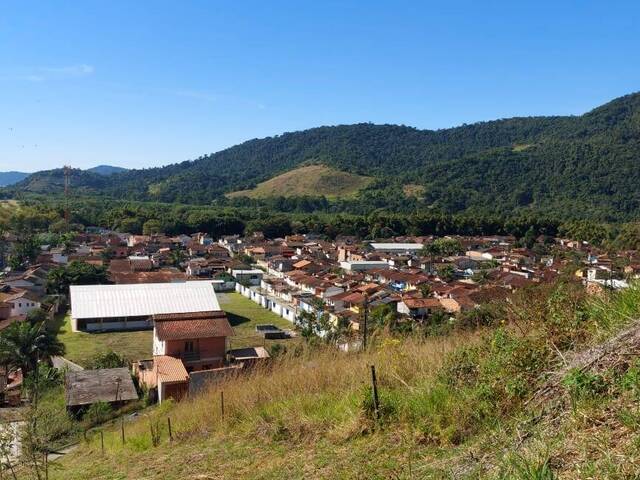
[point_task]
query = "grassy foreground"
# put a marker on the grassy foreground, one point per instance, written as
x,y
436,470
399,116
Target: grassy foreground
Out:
x,y
549,389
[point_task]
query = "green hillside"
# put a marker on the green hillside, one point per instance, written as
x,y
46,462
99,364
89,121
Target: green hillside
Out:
x,y
583,166
313,180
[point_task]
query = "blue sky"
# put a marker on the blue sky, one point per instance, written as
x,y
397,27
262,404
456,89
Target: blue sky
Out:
x,y
142,83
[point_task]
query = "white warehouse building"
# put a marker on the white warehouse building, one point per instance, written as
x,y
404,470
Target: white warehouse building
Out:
x,y
132,306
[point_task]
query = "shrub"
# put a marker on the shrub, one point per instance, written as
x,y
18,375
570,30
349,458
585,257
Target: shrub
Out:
x,y
584,385
97,413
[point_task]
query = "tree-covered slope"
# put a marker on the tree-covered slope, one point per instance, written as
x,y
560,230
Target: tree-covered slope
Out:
x,y
578,166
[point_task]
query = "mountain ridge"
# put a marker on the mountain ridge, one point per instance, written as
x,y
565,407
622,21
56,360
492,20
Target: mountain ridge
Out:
x,y
567,164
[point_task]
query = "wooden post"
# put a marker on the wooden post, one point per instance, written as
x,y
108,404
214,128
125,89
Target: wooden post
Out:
x,y
374,389
122,430
222,403
84,434
102,441
366,315
169,425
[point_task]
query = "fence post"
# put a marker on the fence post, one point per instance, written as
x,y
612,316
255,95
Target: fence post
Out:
x,y
169,425
102,441
222,403
122,429
374,389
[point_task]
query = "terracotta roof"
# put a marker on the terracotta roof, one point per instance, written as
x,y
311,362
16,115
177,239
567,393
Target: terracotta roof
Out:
x,y
301,264
160,317
159,276
169,369
422,303
192,325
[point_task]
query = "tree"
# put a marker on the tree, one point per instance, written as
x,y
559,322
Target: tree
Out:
x,y
23,345
76,273
109,359
447,273
151,227
177,256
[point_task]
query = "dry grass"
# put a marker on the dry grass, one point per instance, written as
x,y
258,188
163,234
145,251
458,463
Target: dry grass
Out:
x,y
311,405
413,190
310,417
313,180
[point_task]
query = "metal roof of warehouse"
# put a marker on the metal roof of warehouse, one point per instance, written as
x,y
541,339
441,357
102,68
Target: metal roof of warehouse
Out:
x,y
131,300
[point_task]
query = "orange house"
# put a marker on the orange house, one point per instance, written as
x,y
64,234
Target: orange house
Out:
x,y
200,340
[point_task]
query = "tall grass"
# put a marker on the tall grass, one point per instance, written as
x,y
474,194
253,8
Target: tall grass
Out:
x,y
439,392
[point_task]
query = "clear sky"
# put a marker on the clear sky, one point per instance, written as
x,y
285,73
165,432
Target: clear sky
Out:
x,y
146,83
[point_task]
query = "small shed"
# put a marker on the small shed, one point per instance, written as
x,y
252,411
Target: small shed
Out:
x,y
110,385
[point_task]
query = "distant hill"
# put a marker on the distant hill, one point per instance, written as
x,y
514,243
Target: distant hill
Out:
x,y
307,180
106,170
9,178
579,166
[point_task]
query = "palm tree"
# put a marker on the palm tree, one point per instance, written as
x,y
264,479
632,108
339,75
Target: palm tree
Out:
x,y
23,345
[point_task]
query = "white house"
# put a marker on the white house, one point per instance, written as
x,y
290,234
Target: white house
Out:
x,y
21,301
362,265
252,277
396,247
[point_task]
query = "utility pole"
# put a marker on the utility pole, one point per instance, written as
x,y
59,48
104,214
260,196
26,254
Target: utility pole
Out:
x,y
366,315
67,183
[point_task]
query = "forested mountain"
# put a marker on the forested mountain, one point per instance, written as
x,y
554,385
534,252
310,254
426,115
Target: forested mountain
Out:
x,y
106,170
9,178
579,166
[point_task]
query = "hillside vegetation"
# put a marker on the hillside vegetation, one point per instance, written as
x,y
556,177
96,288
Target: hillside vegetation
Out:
x,y
580,167
313,180
546,389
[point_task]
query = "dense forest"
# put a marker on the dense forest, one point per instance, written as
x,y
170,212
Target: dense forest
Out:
x,y
46,217
570,168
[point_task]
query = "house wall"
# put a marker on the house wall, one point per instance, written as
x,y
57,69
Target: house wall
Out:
x,y
207,347
23,306
176,391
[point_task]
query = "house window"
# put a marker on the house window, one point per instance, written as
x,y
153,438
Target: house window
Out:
x,y
19,305
188,347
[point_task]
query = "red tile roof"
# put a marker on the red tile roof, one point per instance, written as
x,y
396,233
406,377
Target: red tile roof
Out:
x,y
169,369
192,325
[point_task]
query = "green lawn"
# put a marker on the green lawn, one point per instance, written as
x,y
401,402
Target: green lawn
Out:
x,y
82,347
244,315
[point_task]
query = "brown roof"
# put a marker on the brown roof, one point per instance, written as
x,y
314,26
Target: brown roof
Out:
x,y
85,387
422,303
192,325
301,264
169,369
159,276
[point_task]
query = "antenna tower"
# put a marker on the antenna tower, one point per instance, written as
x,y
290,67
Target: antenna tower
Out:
x,y
67,184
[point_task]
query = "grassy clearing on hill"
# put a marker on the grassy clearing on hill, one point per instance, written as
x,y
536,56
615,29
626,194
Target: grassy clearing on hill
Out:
x,y
536,395
82,347
413,190
7,207
314,180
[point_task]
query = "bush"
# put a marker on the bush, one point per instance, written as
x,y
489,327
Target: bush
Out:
x,y
97,413
584,385
109,359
